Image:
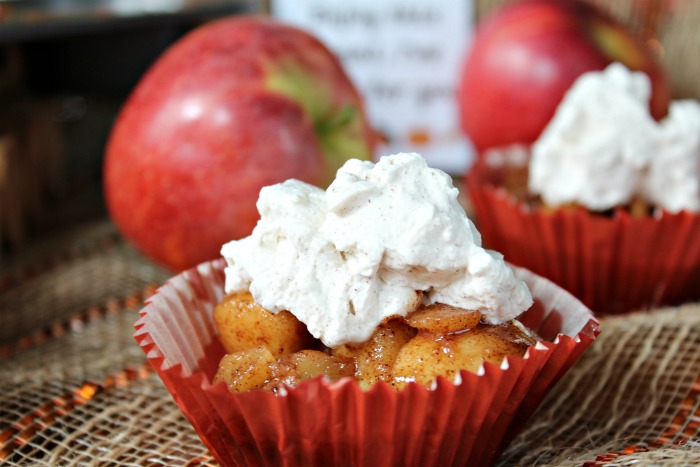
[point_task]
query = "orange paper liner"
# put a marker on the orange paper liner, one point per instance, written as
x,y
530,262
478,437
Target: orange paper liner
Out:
x,y
613,264
324,423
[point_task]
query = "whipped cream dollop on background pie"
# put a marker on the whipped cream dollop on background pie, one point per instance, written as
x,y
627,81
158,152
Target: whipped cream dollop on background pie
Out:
x,y
602,148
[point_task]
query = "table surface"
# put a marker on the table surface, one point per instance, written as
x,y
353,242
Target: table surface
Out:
x,y
75,388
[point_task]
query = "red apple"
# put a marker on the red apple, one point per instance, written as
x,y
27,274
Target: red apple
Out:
x,y
235,105
526,55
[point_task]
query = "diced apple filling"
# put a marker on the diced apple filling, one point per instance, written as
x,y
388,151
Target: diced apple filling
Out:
x,y
270,351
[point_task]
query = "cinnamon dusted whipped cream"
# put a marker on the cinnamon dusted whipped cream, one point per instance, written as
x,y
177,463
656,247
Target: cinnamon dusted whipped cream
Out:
x,y
602,148
382,239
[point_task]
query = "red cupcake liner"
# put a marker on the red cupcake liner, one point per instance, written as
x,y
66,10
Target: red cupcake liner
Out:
x,y
336,423
612,264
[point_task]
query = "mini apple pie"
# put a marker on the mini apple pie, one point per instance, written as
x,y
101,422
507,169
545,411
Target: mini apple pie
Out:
x,y
604,203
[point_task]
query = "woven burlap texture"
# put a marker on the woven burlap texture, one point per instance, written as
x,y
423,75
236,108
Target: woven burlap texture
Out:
x,y
78,390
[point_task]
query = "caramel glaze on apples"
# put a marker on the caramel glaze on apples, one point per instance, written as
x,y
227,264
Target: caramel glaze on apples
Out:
x,y
269,351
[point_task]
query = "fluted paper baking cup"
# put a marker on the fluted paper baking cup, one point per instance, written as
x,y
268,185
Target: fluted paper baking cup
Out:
x,y
336,423
613,264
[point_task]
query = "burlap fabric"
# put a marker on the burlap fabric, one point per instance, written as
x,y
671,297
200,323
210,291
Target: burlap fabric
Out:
x,y
75,389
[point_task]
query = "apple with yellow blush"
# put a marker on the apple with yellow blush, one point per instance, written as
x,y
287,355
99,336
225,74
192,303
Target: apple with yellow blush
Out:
x,y
235,105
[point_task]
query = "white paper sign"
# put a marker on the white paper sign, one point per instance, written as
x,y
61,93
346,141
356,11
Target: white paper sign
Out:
x,y
405,57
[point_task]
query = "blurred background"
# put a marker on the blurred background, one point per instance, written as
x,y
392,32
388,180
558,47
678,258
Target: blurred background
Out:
x,y
66,66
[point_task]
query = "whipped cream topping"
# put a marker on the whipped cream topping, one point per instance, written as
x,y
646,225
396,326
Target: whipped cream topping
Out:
x,y
602,148
673,179
379,242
